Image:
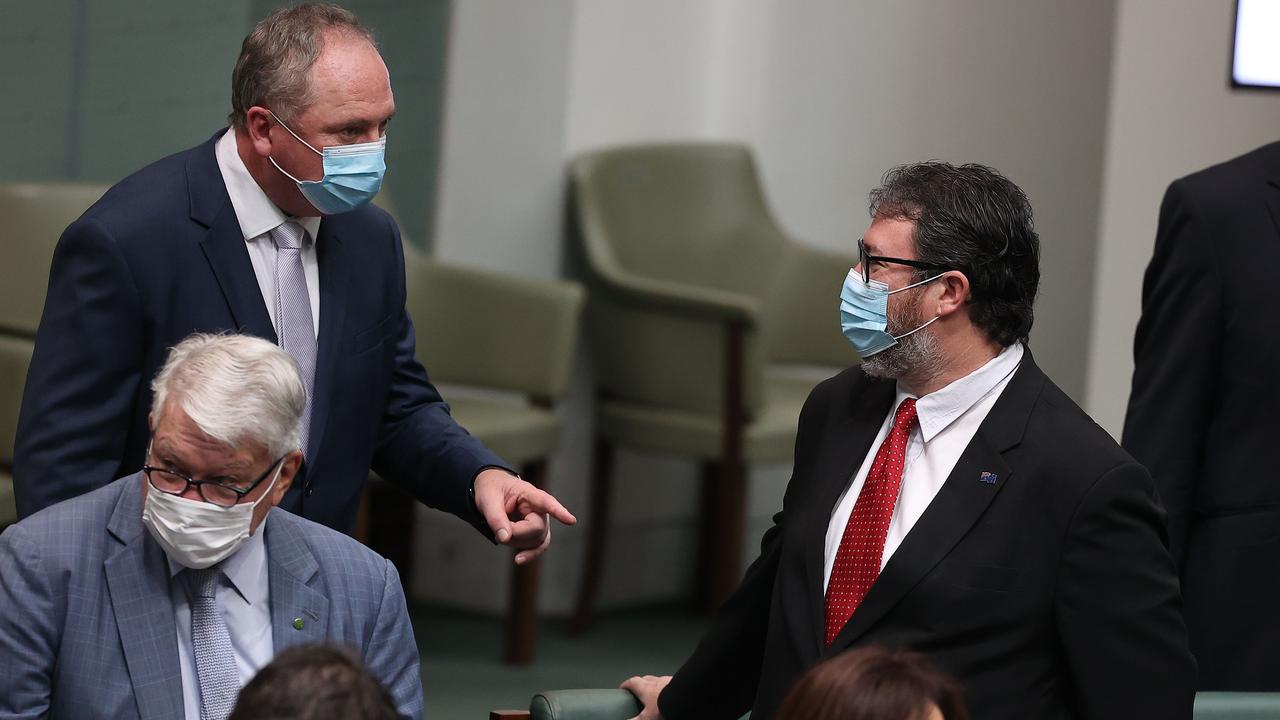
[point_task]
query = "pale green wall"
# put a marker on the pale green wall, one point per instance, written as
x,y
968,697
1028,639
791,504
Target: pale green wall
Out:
x,y
95,89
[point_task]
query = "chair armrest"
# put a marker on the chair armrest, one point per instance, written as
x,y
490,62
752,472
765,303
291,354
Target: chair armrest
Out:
x,y
1237,705
803,315
492,330
584,705
662,296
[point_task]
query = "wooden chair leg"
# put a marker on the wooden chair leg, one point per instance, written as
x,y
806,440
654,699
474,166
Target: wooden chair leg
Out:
x,y
729,508
597,531
522,607
725,494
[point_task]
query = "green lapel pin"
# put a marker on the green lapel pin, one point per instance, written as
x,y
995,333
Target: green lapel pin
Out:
x,y
297,623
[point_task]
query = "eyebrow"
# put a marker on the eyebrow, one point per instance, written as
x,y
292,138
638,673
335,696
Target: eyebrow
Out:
x,y
164,452
340,125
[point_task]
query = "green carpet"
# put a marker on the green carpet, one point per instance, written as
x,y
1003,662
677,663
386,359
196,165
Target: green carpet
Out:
x,y
463,677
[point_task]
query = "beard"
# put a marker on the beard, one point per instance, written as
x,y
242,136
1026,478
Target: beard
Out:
x,y
917,354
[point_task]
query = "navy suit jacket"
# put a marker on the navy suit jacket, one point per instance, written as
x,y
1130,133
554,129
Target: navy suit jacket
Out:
x,y
1038,576
161,256
88,625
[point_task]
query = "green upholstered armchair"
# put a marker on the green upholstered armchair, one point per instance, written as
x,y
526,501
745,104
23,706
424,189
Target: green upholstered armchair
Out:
x,y
694,296
32,218
1237,706
575,705
492,332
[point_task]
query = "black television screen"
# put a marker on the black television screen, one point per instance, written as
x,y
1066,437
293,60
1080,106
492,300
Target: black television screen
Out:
x,y
1255,54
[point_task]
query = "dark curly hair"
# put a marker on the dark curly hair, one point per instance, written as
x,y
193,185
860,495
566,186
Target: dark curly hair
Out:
x,y
975,220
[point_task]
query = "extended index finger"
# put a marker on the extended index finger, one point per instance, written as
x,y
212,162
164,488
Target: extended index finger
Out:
x,y
541,501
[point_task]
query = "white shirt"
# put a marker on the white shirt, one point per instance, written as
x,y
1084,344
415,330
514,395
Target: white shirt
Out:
x,y
244,599
258,216
949,418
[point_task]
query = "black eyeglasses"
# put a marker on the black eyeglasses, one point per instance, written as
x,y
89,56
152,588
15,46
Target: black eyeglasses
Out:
x,y
212,491
865,260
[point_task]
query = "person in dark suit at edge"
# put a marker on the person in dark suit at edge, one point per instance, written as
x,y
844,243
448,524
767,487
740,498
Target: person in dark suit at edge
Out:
x,y
948,498
263,229
1202,414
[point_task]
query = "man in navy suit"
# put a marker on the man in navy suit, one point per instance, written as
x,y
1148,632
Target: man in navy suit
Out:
x,y
161,594
263,229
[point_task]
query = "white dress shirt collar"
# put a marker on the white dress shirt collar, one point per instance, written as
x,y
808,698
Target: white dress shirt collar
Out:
x,y
940,408
246,569
254,210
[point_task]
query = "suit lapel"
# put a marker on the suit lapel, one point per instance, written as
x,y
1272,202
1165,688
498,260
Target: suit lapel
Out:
x,y
138,586
299,612
963,499
865,411
223,244
330,254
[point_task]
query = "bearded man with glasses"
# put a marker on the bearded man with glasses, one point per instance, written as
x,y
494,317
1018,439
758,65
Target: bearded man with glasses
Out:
x,y
947,497
161,594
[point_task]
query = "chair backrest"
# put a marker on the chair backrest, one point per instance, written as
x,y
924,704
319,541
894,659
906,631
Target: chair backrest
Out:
x,y
690,213
32,218
1237,706
492,330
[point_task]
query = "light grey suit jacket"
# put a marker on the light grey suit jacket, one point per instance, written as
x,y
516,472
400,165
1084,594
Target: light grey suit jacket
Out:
x,y
87,625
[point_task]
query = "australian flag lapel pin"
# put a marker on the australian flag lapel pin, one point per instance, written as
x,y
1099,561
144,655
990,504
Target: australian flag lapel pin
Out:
x,y
989,478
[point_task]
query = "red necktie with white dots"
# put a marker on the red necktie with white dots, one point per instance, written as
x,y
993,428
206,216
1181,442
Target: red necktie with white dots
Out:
x,y
857,562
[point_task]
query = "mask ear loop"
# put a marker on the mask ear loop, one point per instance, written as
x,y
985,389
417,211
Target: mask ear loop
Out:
x,y
922,282
294,134
935,319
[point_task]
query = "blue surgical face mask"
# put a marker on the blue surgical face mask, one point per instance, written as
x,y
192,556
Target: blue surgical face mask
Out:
x,y
864,315
352,175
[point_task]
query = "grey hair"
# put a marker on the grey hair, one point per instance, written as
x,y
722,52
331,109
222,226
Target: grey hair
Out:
x,y
274,67
236,389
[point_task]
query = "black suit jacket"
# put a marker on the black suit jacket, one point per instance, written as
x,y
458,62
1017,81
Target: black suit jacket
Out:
x,y
1203,411
1049,593
161,256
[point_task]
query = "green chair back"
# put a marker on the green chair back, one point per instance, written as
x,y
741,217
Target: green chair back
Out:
x,y
32,218
686,213
492,330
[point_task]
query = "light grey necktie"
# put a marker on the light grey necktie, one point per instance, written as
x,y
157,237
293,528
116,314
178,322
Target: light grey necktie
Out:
x,y
215,660
294,324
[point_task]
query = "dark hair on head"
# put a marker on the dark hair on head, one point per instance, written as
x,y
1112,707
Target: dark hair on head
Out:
x,y
873,683
274,67
975,220
314,682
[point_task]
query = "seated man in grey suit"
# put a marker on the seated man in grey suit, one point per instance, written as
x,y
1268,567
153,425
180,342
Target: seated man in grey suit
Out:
x,y
161,594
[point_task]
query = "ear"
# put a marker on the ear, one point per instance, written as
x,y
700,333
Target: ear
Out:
x,y
955,292
289,468
258,122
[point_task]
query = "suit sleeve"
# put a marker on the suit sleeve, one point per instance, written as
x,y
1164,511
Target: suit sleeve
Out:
x,y
1118,609
28,639
84,375
391,653
420,446
1176,359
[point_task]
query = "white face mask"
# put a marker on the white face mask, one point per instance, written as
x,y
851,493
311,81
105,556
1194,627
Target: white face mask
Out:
x,y
197,534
